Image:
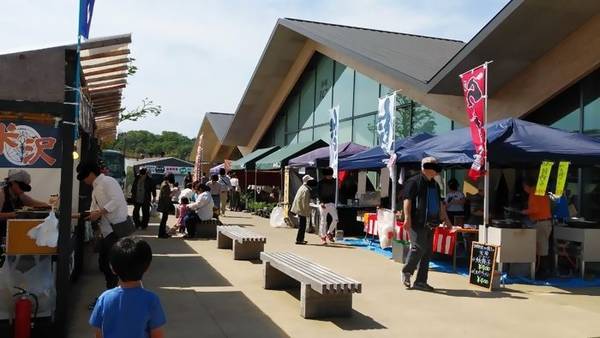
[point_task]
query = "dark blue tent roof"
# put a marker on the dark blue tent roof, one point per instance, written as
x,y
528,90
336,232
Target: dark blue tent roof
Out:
x,y
320,157
375,157
511,142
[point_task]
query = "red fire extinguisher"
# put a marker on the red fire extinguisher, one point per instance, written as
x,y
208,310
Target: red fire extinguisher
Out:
x,y
23,313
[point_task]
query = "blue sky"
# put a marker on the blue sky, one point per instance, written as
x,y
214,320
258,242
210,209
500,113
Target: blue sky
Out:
x,y
196,56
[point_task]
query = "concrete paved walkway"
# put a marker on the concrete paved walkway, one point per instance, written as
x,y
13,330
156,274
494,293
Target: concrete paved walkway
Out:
x,y
206,293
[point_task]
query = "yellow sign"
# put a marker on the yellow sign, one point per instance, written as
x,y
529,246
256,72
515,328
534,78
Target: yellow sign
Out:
x,y
561,179
544,176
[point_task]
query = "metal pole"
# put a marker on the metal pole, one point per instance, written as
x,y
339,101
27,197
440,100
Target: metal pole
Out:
x,y
486,201
255,187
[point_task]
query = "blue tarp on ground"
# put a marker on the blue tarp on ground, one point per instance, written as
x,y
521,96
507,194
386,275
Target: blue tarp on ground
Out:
x,y
320,157
376,158
511,142
446,267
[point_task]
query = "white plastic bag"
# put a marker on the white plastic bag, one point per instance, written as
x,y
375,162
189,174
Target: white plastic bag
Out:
x,y
276,218
46,233
385,227
34,274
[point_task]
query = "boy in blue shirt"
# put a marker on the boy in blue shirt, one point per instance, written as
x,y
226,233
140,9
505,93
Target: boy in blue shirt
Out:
x,y
129,310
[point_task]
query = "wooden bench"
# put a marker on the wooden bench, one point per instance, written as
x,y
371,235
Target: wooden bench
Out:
x,y
323,292
245,243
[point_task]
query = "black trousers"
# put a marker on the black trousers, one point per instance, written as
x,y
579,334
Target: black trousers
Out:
x,y
191,221
301,229
421,245
103,260
143,223
162,228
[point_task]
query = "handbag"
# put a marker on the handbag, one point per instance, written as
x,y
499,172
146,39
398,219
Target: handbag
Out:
x,y
125,228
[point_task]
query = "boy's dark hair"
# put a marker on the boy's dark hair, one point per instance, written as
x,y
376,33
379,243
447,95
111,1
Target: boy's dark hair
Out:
x,y
130,258
327,171
222,171
214,178
185,200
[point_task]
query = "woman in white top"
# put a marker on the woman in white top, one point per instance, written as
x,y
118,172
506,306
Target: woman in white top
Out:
x,y
455,202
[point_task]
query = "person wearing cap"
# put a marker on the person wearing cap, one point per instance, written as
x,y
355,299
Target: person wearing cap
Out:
x,y
203,209
423,210
108,207
13,196
301,207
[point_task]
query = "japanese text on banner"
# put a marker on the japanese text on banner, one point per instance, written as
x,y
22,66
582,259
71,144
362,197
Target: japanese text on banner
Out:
x,y
475,91
544,176
561,179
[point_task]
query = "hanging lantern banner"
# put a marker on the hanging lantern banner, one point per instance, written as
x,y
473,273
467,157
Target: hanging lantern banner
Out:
x,y
29,145
334,122
561,179
474,87
385,123
197,163
543,177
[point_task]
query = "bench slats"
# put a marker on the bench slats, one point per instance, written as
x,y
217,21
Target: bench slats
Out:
x,y
320,278
241,234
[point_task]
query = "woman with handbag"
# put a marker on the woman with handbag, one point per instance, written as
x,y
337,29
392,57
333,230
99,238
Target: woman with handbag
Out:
x,y
165,204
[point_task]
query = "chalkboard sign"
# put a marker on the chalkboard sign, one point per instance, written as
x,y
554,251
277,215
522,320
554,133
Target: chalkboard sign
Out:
x,y
483,263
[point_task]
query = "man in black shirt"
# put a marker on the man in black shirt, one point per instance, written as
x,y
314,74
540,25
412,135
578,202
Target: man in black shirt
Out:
x,y
327,190
423,210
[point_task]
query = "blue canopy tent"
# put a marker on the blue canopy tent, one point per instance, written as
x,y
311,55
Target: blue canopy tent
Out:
x,y
320,157
376,158
511,142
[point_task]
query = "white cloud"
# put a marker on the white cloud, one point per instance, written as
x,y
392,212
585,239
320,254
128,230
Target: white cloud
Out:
x,y
198,56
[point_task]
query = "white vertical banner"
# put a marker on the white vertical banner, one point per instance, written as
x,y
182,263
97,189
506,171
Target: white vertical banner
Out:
x,y
334,124
385,123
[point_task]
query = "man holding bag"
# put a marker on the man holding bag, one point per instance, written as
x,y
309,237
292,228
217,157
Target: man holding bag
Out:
x,y
109,208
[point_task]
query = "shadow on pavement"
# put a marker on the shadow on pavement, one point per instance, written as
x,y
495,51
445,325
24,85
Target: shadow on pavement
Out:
x,y
183,272
167,246
478,294
215,314
357,321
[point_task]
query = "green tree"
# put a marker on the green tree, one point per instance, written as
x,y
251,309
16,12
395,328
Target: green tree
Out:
x,y
137,142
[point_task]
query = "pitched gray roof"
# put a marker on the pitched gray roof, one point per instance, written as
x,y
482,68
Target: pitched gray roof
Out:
x,y
416,56
220,123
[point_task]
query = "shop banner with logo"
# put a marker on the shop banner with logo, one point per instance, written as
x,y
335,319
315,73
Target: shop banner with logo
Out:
x,y
385,123
561,179
198,162
334,122
29,145
543,177
475,91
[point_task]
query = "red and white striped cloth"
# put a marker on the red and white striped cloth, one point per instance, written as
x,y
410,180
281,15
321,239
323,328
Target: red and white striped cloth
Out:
x,y
444,241
371,224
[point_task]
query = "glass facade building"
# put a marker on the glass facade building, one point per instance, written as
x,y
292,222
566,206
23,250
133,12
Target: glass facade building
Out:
x,y
326,83
577,109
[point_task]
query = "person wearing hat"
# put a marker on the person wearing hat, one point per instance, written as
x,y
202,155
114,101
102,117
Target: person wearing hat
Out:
x,y
423,211
202,207
108,207
13,196
301,207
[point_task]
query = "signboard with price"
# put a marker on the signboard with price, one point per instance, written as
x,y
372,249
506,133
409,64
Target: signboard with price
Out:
x,y
483,264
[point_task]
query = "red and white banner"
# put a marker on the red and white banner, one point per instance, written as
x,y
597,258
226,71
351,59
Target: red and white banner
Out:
x,y
474,86
198,162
